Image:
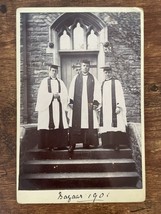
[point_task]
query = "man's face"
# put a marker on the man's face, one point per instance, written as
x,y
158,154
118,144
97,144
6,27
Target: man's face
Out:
x,y
53,72
108,72
85,68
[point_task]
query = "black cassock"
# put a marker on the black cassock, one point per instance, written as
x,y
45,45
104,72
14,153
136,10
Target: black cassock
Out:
x,y
78,134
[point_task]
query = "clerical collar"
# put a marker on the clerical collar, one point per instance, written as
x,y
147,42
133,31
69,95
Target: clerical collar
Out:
x,y
110,78
107,78
85,74
53,78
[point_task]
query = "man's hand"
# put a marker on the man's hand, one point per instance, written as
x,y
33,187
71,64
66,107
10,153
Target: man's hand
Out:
x,y
97,107
56,96
118,109
70,105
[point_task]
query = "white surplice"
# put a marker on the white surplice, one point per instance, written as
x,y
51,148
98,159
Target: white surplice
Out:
x,y
44,99
107,108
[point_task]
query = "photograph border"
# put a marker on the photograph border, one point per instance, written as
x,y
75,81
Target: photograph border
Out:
x,y
81,195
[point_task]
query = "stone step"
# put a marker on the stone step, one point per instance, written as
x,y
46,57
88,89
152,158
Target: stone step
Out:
x,y
78,180
79,153
93,165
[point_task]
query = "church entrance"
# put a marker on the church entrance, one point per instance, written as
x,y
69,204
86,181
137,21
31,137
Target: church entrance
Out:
x,y
77,36
70,65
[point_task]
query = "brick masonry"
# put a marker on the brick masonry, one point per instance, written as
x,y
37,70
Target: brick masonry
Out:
x,y
124,36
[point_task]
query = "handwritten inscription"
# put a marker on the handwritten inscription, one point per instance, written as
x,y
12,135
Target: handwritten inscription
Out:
x,y
93,197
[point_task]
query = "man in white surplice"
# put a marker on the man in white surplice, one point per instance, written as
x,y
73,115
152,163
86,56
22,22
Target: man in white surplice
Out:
x,y
113,113
84,103
51,106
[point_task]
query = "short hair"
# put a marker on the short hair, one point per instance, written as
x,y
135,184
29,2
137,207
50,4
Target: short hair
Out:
x,y
86,61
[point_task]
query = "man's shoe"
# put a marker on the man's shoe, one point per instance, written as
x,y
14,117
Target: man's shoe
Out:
x,y
49,149
117,149
89,146
71,148
70,151
62,148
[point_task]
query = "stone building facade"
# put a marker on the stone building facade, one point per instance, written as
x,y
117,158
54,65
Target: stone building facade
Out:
x,y
39,48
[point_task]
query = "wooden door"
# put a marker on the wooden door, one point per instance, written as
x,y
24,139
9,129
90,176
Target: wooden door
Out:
x,y
70,66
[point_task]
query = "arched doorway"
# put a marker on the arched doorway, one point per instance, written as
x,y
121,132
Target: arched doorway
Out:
x,y
76,36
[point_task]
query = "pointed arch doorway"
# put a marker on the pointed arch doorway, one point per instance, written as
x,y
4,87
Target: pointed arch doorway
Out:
x,y
76,36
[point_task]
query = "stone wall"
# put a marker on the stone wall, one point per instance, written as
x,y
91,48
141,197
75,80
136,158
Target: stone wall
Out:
x,y
37,58
134,133
124,36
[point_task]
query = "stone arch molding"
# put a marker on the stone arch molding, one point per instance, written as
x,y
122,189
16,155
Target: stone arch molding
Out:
x,y
67,21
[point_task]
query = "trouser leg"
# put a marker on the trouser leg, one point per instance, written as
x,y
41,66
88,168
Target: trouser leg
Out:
x,y
43,139
90,138
107,140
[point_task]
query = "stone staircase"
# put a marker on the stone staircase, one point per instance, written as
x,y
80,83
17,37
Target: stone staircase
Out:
x,y
88,168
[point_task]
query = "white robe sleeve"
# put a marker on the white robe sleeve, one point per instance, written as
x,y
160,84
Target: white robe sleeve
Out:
x,y
63,95
71,97
71,89
121,100
44,98
97,91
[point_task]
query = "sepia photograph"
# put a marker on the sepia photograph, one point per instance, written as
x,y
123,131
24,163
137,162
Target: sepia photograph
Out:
x,y
80,105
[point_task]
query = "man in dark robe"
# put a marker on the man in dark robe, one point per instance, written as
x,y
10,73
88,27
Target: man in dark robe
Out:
x,y
84,103
51,106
